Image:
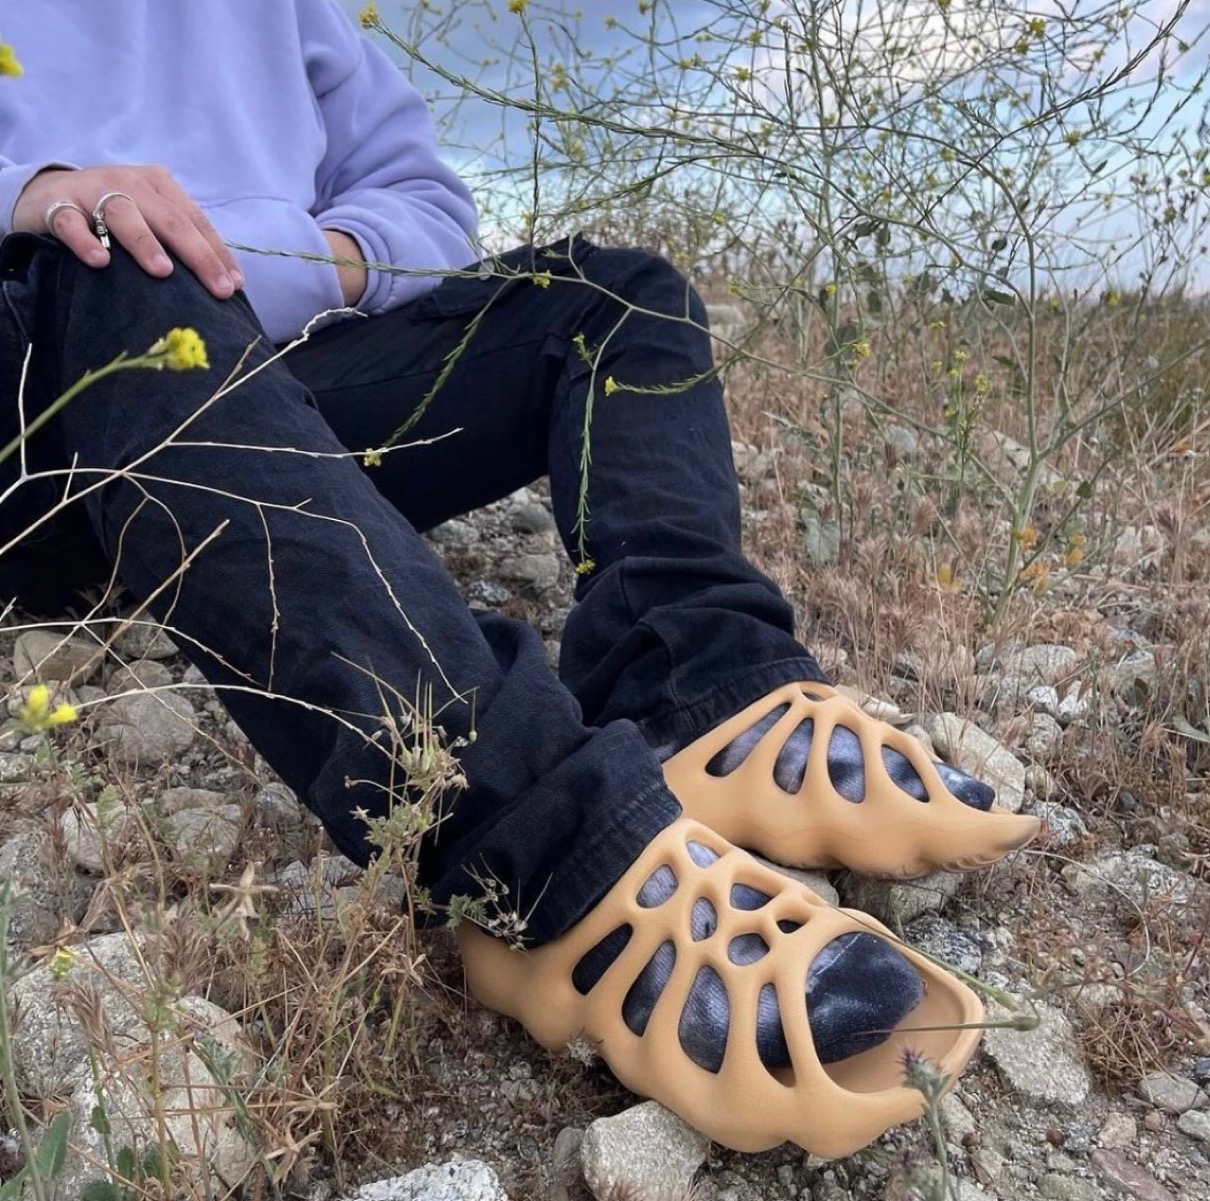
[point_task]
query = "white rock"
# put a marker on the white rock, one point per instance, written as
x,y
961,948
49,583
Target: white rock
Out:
x,y
1120,1131
898,903
873,706
206,838
539,572
93,830
462,1180
1043,736
1173,1094
964,745
959,1121
647,1146
147,729
1132,874
144,639
139,675
45,894
817,882
1064,707
199,1124
1043,1064
48,655
1196,1124
50,1047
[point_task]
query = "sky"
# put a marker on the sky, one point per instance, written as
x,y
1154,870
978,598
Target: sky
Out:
x,y
481,43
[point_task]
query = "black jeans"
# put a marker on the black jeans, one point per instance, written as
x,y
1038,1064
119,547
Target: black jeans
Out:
x,y
316,606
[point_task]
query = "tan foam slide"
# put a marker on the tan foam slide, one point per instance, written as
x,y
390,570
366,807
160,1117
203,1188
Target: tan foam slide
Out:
x,y
888,832
830,1110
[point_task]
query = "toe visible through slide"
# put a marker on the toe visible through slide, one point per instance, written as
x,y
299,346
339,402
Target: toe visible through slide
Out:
x,y
738,998
806,778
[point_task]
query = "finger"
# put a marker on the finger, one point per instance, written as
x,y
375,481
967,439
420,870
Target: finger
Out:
x,y
76,232
127,225
178,233
177,197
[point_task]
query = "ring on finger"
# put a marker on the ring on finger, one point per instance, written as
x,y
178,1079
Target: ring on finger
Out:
x,y
98,215
53,210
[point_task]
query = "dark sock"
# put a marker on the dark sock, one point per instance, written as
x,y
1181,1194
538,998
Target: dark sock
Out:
x,y
857,988
846,767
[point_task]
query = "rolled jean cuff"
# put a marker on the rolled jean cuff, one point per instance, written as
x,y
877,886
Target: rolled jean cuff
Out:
x,y
601,862
674,729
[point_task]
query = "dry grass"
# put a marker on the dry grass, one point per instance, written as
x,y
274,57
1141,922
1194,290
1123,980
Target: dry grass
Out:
x,y
342,1001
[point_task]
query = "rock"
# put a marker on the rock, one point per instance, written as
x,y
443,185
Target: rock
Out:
x,y
144,640
16,769
1134,678
140,675
487,592
816,881
532,518
959,1121
538,572
1173,1094
50,1048
47,655
567,1182
873,706
902,441
93,830
1043,1064
1128,1179
751,463
898,903
1135,544
198,1121
1201,1071
1196,1124
147,729
1154,1121
45,897
462,1180
1043,736
966,746
1130,873
1042,663
647,1146
820,540
1068,1188
1064,707
1119,1131
206,839
455,534
1064,826
945,941
1008,461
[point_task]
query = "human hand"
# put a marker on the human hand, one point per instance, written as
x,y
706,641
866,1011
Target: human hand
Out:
x,y
353,279
158,216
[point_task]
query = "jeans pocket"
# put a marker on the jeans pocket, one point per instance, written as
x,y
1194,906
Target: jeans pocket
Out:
x,y
480,285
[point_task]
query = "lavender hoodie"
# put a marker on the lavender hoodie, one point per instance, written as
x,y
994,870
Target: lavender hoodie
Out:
x,y
276,116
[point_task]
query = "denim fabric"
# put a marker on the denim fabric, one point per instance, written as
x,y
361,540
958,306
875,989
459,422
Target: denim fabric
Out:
x,y
317,588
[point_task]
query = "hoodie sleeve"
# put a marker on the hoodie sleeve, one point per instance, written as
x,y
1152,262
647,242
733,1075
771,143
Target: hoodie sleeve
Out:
x,y
13,178
381,180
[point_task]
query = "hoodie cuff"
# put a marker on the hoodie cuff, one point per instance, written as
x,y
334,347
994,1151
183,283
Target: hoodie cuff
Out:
x,y
12,183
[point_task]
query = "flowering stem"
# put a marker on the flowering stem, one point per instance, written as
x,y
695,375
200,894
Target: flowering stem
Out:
x,y
89,378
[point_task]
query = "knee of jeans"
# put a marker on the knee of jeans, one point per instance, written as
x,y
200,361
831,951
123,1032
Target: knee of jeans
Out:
x,y
647,280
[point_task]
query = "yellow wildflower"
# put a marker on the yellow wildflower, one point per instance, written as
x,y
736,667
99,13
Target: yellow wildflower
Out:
x,y
861,348
611,385
36,714
9,63
368,16
372,458
517,6
981,384
542,279
61,964
181,350
584,566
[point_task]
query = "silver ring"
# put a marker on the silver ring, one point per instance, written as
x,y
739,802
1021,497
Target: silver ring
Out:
x,y
53,211
98,215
